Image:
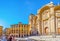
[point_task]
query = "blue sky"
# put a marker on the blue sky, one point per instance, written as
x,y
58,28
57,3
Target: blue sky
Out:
x,y
14,11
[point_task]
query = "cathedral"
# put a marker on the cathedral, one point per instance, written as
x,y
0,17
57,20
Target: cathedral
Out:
x,y
47,20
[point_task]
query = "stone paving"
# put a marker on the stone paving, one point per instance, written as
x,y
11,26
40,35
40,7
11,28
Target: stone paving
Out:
x,y
40,38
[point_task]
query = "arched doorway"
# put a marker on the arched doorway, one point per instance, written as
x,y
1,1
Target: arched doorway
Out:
x,y
46,30
58,30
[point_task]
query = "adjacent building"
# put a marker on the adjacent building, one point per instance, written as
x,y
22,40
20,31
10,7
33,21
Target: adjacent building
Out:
x,y
1,31
33,24
18,30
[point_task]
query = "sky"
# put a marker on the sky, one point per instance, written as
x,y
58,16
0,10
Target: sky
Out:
x,y
14,11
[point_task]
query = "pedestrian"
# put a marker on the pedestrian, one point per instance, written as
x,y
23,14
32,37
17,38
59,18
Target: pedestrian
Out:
x,y
9,38
13,38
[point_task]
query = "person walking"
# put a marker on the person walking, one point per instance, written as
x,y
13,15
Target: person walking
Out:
x,y
9,38
13,38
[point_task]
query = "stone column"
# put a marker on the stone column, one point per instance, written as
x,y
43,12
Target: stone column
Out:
x,y
39,24
52,21
23,30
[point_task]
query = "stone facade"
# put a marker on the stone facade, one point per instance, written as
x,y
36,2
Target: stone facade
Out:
x,y
48,19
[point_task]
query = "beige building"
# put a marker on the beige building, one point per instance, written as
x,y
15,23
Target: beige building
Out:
x,y
1,31
18,30
33,24
47,19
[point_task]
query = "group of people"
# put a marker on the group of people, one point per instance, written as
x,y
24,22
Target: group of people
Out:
x,y
9,38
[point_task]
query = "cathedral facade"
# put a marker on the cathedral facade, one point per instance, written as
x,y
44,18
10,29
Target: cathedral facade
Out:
x,y
47,20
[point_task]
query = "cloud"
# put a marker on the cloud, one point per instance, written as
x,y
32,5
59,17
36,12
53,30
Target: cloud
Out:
x,y
3,23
